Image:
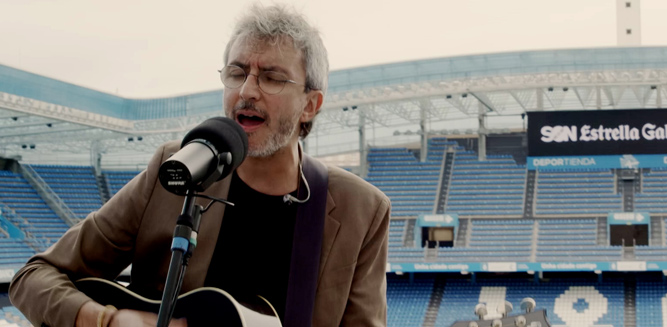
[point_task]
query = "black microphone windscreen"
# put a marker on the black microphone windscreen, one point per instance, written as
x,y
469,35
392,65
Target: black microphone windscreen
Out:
x,y
226,136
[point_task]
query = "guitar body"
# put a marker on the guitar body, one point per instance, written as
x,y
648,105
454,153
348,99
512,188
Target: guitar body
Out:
x,y
207,306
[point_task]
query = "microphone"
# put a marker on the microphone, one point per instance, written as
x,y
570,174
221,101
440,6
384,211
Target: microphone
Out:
x,y
289,198
209,152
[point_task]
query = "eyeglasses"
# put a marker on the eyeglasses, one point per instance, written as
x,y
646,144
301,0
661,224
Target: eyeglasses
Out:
x,y
268,81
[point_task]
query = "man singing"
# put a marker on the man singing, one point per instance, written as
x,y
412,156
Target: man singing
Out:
x,y
317,267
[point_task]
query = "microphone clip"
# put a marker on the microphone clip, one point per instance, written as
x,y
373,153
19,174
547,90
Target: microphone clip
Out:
x,y
289,198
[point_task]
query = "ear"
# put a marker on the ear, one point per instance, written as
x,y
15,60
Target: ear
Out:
x,y
314,101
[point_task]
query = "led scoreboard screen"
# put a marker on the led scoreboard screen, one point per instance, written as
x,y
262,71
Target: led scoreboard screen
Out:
x,y
597,132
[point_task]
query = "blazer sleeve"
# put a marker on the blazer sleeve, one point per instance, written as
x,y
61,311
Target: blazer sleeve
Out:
x,y
367,301
101,245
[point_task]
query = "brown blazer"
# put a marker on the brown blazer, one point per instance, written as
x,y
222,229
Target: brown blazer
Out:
x,y
136,226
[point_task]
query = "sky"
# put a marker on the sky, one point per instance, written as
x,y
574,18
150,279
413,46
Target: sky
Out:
x,y
162,48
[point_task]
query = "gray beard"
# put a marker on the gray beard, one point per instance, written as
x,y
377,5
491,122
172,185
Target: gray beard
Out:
x,y
275,142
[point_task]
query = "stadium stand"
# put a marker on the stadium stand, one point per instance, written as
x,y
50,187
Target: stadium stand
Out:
x,y
115,180
569,302
14,252
503,215
407,300
75,185
654,187
398,232
493,240
411,185
644,252
489,197
24,208
576,192
572,239
651,302
493,187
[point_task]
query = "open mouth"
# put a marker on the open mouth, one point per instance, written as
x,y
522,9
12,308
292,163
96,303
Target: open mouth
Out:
x,y
249,120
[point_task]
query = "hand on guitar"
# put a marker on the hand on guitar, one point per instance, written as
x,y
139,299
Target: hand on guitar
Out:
x,y
202,307
134,318
91,311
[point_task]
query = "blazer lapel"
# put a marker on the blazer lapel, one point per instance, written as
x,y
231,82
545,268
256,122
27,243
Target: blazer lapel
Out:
x,y
331,226
306,246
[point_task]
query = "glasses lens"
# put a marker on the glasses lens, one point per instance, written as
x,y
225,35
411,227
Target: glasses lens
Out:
x,y
232,76
272,82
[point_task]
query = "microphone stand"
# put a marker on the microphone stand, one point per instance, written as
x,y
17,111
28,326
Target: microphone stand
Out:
x,y
182,246
184,242
185,239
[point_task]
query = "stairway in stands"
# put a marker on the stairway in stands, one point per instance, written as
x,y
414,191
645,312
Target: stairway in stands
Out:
x,y
435,301
75,185
529,198
445,177
630,304
103,188
628,181
28,211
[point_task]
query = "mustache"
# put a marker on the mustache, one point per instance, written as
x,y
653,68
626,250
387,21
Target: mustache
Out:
x,y
245,105
249,106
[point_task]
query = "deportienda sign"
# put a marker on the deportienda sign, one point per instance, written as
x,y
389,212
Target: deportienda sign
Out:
x,y
597,132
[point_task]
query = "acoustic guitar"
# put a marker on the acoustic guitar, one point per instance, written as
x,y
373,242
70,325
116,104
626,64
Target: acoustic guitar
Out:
x,y
203,307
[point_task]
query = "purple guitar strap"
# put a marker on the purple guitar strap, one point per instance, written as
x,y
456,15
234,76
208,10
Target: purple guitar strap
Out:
x,y
306,246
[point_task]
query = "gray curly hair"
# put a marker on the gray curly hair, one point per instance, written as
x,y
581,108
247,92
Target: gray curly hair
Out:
x,y
273,24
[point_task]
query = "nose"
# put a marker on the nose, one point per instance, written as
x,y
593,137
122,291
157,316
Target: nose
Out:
x,y
250,88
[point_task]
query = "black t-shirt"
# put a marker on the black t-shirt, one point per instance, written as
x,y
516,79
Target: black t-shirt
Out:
x,y
254,248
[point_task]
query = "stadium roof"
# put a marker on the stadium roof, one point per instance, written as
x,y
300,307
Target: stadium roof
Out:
x,y
48,120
